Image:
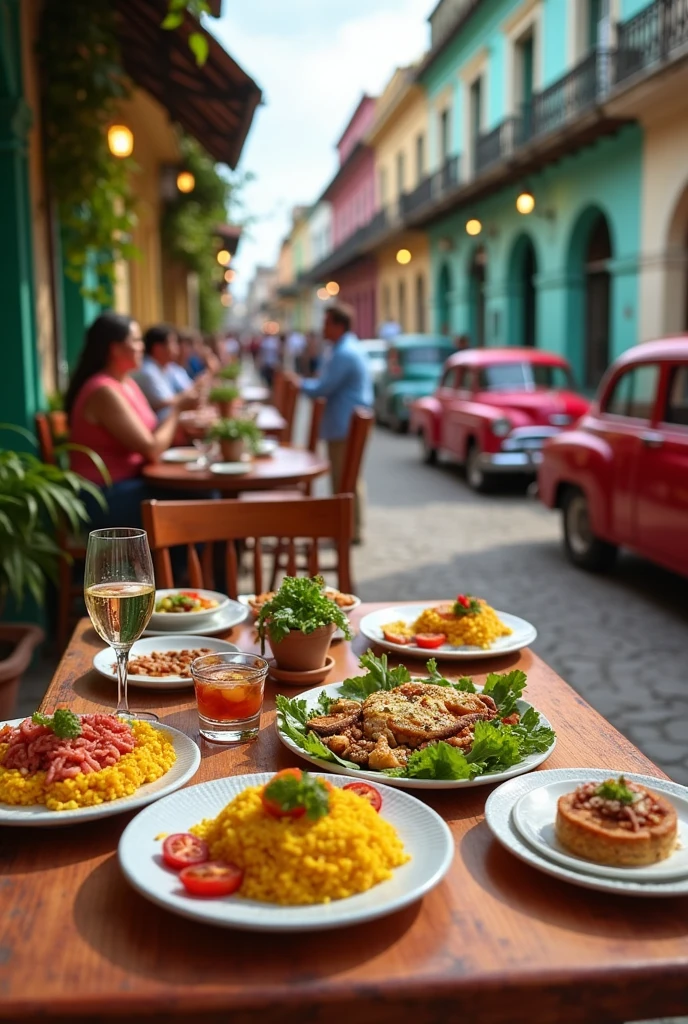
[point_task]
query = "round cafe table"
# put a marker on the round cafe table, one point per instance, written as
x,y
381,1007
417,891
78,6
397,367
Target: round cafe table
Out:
x,y
286,467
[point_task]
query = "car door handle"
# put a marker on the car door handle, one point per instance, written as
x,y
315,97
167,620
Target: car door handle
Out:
x,y
652,439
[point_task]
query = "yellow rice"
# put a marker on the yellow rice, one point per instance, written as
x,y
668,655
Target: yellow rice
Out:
x,y
298,861
152,756
472,630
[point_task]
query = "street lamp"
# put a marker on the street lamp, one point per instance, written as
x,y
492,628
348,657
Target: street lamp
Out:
x,y
186,182
473,226
120,140
403,256
223,257
332,288
525,202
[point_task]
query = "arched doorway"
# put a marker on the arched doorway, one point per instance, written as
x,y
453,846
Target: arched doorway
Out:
x,y
522,326
590,298
596,354
420,304
476,296
444,290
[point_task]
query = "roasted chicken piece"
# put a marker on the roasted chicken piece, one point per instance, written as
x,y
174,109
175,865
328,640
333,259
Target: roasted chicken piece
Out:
x,y
415,713
343,713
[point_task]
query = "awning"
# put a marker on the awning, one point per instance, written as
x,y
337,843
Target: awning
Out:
x,y
214,103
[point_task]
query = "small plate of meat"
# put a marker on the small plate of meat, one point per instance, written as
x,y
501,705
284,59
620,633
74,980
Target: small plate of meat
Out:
x,y
162,663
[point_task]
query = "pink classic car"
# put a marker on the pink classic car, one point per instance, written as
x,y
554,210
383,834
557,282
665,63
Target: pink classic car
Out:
x,y
494,408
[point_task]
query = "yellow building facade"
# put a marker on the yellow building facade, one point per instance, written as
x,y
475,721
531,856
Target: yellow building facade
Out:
x,y
399,140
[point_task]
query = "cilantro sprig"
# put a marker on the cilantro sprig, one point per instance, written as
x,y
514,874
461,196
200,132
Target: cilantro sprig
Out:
x,y
290,793
64,723
616,789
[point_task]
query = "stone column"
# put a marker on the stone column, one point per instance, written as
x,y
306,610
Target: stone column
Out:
x,y
21,388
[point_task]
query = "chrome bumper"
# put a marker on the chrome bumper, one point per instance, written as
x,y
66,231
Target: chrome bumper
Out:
x,y
510,462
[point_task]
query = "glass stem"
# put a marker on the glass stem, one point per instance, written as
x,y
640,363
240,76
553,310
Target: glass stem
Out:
x,y
122,668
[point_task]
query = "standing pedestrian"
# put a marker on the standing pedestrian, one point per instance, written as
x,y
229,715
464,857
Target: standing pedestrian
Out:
x,y
269,357
345,384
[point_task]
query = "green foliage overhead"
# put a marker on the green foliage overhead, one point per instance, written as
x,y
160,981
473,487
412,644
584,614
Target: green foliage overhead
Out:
x,y
198,42
83,87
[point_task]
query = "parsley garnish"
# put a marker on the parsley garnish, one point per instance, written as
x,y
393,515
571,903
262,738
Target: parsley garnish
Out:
x,y
616,789
64,723
289,793
466,604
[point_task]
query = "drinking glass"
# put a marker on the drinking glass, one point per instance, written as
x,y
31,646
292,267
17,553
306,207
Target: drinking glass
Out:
x,y
119,590
229,693
204,448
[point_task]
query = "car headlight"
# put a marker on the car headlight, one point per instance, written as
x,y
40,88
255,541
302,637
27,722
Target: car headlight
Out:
x,y
500,427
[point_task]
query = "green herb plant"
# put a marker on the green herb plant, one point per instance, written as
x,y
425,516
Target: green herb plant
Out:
x,y
230,371
496,745
299,605
64,723
224,393
236,430
616,789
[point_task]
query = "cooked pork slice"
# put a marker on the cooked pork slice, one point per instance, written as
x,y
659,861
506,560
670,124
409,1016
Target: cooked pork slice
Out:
x,y
343,714
416,713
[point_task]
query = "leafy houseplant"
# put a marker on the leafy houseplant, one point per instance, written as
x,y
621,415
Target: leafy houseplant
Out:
x,y
230,371
298,623
226,397
235,436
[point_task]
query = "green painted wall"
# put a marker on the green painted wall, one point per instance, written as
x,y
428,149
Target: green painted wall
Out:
x,y
604,177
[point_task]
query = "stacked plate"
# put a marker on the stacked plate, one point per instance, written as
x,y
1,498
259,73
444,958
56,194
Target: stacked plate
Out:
x,y
209,622
521,815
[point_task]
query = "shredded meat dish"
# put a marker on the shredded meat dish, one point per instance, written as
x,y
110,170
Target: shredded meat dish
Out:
x,y
35,748
644,812
165,663
385,729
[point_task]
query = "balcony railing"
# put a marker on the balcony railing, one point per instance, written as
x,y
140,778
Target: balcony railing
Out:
x,y
495,145
432,188
654,34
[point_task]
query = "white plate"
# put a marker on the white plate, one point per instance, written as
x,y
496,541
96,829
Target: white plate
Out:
x,y
534,817
180,455
311,698
170,621
230,468
371,627
498,814
267,446
246,599
424,834
219,622
183,769
104,661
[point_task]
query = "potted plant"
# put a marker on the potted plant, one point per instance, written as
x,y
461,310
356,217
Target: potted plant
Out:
x,y
37,500
235,437
230,371
226,398
298,623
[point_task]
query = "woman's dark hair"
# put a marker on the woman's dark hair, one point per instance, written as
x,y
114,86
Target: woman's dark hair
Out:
x,y
106,330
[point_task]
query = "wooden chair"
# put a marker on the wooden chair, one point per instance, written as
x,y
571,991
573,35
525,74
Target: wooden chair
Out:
x,y
75,547
317,413
278,389
288,410
189,523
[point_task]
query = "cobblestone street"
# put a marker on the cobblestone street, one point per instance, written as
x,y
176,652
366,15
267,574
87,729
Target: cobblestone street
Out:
x,y
620,640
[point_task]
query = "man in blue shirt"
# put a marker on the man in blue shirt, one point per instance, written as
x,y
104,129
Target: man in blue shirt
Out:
x,y
163,381
345,383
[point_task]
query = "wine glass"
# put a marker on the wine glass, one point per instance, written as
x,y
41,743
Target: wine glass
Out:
x,y
119,590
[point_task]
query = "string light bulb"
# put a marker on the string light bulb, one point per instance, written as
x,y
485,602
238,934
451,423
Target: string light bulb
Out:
x,y
332,288
404,256
223,257
120,141
186,182
473,226
525,203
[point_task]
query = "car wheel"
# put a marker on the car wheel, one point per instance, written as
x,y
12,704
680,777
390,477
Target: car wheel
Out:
x,y
476,477
583,548
429,453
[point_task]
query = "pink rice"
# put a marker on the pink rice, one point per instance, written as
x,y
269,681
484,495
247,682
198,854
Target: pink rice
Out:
x,y
35,748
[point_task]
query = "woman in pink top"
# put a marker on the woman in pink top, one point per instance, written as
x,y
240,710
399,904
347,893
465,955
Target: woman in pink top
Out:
x,y
109,414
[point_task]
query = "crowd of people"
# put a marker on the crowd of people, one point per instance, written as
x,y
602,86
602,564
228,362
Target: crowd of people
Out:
x,y
129,390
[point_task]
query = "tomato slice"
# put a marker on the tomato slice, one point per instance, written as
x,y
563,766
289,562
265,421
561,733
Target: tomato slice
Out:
x,y
445,611
430,641
368,793
395,638
214,878
181,849
273,808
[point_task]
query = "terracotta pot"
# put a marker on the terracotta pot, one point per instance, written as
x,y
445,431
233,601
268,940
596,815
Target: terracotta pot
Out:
x,y
232,450
229,410
20,638
302,652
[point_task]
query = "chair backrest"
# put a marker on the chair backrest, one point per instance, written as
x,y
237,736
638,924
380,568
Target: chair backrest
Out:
x,y
278,390
356,440
288,410
317,413
46,445
189,523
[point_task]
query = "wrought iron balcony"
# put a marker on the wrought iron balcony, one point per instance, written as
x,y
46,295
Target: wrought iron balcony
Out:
x,y
654,34
433,188
495,145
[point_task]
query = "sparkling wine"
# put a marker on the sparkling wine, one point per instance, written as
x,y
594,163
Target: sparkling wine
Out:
x,y
120,611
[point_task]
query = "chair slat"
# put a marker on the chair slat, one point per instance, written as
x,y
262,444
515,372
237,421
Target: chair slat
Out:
x,y
194,566
258,566
231,569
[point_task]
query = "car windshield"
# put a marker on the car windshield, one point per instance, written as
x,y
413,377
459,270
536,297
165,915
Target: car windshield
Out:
x,y
423,354
524,377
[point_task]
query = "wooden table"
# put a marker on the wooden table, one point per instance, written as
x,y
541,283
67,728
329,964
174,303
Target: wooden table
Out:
x,y
496,943
287,466
268,419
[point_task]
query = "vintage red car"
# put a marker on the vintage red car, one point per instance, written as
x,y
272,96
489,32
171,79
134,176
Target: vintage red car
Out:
x,y
621,476
494,408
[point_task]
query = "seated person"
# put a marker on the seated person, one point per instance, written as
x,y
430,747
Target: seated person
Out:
x,y
163,381
109,414
197,358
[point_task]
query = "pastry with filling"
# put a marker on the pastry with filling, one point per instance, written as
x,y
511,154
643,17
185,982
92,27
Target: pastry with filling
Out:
x,y
617,822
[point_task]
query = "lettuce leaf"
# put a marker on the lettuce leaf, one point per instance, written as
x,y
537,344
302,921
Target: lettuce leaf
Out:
x,y
533,738
378,677
438,761
505,690
291,719
494,749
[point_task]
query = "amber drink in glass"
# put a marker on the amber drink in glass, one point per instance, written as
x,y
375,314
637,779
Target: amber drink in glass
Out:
x,y
229,694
